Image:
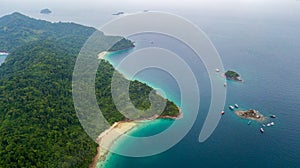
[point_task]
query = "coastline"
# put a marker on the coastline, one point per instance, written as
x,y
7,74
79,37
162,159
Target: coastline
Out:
x,y
108,137
112,134
102,55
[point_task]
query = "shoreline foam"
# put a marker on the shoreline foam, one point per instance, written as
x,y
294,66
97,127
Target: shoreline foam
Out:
x,y
111,135
102,55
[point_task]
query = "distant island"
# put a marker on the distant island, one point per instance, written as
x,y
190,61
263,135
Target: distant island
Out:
x,y
45,11
250,114
232,75
118,13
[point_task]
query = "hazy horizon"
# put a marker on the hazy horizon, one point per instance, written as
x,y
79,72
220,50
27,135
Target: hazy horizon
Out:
x,y
96,13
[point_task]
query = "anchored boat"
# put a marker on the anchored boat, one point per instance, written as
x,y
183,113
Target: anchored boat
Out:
x,y
262,130
222,112
236,105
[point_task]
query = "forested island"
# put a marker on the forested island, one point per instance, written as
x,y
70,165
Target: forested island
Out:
x,y
38,123
232,75
46,11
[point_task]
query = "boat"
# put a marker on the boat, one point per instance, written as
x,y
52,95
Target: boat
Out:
x,y
217,70
3,53
225,84
270,124
273,116
236,105
249,122
222,112
261,130
264,125
231,107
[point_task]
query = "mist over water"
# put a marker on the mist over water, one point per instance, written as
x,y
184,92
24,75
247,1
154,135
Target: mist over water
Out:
x,y
265,53
260,40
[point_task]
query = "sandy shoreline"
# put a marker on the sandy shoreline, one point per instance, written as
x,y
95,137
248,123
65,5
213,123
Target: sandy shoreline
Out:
x,y
102,54
109,137
112,134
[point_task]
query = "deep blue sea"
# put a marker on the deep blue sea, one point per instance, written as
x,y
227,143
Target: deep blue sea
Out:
x,y
266,54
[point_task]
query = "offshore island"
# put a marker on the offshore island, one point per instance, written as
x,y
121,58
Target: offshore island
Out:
x,y
250,114
232,75
46,11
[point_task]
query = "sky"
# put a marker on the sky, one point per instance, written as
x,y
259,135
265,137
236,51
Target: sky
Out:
x,y
97,12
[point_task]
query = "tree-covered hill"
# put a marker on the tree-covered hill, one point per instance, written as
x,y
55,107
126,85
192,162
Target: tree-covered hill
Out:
x,y
17,29
38,123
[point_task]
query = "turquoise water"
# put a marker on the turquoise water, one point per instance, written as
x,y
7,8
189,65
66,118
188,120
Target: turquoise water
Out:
x,y
2,58
268,62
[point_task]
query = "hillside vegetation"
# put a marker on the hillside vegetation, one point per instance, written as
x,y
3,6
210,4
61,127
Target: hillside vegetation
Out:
x,y
38,123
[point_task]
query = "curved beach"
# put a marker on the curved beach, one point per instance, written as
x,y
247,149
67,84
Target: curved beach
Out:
x,y
112,134
102,54
109,137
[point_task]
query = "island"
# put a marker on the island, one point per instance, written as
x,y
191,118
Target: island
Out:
x,y
250,114
45,11
232,75
48,122
118,13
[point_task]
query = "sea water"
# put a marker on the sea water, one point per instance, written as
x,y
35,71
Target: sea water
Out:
x,y
2,58
268,62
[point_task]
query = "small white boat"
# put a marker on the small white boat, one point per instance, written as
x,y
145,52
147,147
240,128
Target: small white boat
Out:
x,y
225,84
269,124
3,53
222,112
261,130
217,70
263,125
273,116
231,107
236,105
249,122
272,123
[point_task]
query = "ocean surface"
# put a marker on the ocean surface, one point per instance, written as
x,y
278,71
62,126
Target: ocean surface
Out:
x,y
266,54
258,40
2,58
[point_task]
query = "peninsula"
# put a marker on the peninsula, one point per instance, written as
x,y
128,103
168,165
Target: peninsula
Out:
x,y
233,75
42,56
250,114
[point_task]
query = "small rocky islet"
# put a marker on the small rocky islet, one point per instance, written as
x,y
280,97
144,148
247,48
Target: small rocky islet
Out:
x,y
232,75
